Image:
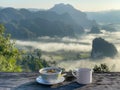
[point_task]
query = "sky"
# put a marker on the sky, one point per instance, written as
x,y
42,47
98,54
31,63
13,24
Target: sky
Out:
x,y
83,5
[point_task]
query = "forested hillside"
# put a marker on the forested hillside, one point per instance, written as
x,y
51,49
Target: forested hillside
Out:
x,y
28,24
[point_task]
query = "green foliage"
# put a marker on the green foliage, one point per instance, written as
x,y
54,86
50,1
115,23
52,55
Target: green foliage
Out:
x,y
13,60
9,65
9,54
101,68
33,62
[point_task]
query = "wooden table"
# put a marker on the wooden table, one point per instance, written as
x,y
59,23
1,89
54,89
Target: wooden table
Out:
x,y
26,81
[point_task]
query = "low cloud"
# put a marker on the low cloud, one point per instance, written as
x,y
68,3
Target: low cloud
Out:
x,y
81,44
112,63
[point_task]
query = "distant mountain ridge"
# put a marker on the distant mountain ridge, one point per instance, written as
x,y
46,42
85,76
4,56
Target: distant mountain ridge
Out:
x,y
78,16
27,24
112,16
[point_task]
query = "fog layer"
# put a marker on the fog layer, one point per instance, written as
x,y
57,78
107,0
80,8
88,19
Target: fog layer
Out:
x,y
81,44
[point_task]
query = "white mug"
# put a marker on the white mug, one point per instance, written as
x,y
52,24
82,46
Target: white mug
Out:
x,y
83,75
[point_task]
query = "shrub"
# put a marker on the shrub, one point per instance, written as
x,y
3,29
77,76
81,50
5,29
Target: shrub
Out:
x,y
101,68
9,54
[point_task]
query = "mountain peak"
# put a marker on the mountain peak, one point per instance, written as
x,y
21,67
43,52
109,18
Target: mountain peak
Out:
x,y
62,8
62,5
78,16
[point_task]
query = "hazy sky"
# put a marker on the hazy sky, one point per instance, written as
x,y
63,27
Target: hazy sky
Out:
x,y
84,5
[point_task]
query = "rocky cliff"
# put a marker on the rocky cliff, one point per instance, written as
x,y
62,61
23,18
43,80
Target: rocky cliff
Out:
x,y
102,48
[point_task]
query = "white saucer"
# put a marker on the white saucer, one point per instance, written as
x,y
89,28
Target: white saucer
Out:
x,y
41,81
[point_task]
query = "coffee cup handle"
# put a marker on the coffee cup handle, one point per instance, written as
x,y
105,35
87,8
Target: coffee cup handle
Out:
x,y
74,73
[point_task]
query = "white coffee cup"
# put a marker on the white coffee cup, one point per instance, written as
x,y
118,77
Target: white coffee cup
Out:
x,y
83,75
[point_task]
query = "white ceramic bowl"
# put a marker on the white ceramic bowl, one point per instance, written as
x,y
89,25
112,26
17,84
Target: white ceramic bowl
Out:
x,y
48,76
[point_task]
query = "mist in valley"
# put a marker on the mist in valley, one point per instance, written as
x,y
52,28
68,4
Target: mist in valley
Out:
x,y
65,50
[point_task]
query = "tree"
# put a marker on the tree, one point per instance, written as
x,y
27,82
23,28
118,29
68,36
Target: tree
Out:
x,y
9,54
38,53
32,61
